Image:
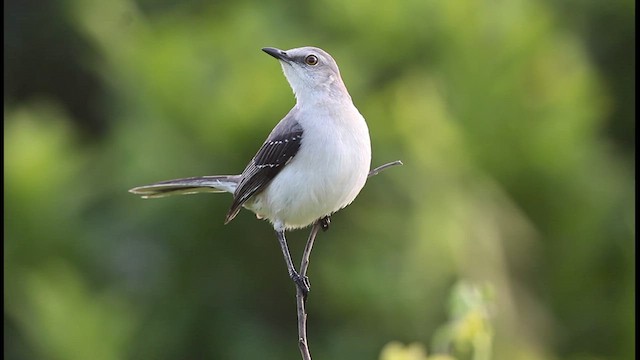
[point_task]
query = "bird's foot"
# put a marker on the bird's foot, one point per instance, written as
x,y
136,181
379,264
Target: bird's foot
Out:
x,y
325,222
302,282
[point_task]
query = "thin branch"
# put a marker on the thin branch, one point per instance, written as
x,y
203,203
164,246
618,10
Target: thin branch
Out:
x,y
300,299
304,265
303,344
380,168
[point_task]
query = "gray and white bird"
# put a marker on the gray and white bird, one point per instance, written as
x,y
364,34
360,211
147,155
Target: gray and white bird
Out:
x,y
313,163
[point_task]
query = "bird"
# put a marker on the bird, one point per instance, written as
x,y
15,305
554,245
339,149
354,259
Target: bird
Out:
x,y
315,161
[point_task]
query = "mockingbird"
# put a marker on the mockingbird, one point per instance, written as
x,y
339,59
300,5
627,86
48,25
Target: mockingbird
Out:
x,y
313,163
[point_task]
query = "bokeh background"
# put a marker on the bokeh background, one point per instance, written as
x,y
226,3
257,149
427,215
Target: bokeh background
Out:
x,y
508,233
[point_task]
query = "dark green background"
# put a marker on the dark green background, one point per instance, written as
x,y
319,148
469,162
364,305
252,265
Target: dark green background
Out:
x,y
508,233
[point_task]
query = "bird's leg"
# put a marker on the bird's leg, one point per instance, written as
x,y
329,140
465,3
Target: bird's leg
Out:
x,y
325,222
301,281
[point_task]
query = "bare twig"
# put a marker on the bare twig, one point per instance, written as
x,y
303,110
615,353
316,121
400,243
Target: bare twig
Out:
x,y
380,168
304,265
303,344
300,299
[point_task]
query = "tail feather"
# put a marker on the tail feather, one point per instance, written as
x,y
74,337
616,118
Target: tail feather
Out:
x,y
192,185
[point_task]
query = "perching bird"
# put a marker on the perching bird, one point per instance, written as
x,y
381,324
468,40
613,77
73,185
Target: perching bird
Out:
x,y
313,163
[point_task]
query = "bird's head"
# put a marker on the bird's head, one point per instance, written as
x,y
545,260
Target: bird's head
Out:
x,y
311,72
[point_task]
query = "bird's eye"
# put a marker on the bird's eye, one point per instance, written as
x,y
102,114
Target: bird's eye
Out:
x,y
311,60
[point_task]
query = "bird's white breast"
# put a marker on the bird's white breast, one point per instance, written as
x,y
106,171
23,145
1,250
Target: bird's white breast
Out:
x,y
326,174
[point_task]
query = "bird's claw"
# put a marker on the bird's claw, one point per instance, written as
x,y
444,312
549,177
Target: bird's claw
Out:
x,y
302,282
325,222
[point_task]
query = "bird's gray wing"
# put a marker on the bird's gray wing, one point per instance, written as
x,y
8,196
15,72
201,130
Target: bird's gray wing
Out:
x,y
279,148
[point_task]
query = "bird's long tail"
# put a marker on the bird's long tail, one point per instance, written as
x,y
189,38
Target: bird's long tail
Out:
x,y
192,185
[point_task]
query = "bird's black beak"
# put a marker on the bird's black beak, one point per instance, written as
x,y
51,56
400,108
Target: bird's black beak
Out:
x,y
277,53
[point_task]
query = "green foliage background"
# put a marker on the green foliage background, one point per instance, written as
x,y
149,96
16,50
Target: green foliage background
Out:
x,y
515,121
